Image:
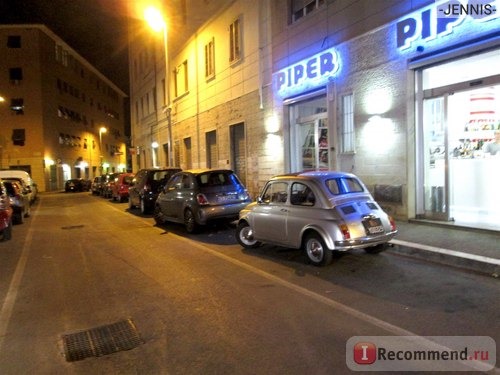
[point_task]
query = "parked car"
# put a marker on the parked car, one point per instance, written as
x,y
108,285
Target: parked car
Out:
x,y
5,214
146,185
23,175
320,212
75,184
98,184
95,185
107,186
196,197
119,190
19,200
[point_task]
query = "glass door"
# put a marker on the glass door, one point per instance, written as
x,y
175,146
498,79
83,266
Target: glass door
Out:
x,y
312,139
435,158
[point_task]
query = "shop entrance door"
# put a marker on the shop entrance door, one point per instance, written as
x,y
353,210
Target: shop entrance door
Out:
x,y
435,158
312,137
459,177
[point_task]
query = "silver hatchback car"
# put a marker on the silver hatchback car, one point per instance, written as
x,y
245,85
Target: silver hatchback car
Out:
x,y
320,212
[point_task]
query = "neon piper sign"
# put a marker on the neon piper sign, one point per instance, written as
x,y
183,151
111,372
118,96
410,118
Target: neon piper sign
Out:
x,y
443,18
308,73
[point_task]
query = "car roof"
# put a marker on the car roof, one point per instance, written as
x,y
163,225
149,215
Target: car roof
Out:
x,y
205,170
161,169
313,175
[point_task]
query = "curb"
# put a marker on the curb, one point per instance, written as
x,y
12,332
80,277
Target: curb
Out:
x,y
478,263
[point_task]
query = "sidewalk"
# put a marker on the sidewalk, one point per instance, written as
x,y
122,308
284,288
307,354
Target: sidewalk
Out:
x,y
473,249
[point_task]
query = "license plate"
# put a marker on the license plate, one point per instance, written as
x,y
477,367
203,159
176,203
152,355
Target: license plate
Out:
x,y
225,198
373,226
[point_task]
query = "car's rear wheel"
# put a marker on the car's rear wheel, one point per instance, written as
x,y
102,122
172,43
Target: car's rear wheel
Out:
x,y
316,250
190,221
158,216
18,217
376,249
244,236
7,232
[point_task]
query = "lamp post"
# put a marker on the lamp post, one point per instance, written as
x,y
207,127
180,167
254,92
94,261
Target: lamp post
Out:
x,y
2,99
155,19
102,130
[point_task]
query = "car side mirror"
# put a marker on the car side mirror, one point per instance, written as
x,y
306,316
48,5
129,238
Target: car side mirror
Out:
x,y
259,200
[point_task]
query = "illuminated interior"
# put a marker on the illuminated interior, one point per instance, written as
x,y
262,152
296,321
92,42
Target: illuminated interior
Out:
x,y
459,121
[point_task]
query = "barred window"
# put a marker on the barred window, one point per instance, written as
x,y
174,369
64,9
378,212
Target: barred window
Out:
x,y
181,79
210,59
235,47
348,139
301,8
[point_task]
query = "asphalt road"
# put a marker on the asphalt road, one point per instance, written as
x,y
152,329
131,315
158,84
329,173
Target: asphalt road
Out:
x,y
202,305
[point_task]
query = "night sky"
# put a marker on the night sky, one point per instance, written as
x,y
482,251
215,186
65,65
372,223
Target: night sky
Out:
x,y
96,29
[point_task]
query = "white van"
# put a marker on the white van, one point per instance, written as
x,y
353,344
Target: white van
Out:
x,y
16,173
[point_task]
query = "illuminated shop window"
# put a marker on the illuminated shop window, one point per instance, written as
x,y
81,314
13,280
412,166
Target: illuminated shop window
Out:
x,y
348,140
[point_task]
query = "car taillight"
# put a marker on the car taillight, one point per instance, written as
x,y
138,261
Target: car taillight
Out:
x,y
201,199
345,231
393,223
4,203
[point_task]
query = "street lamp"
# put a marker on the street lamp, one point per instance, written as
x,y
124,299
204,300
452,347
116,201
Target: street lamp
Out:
x,y
155,19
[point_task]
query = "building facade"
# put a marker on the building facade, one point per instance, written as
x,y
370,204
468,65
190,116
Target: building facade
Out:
x,y
60,118
393,91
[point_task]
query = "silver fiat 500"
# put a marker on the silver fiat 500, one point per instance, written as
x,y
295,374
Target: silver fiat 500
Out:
x,y
320,212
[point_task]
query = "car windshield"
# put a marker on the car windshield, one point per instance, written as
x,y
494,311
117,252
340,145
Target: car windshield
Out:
x,y
344,185
216,179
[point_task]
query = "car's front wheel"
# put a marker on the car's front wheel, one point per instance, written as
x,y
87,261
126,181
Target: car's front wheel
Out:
x,y
158,215
244,236
316,250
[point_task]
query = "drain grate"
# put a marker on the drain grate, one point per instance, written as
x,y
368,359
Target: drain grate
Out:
x,y
101,341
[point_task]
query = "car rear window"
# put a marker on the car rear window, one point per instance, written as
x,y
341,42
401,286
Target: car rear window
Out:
x,y
127,180
216,179
344,185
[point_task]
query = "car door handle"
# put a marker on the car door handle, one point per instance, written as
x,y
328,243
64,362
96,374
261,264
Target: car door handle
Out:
x,y
284,210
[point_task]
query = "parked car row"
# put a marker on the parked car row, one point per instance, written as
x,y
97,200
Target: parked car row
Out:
x,y
17,194
114,185
320,212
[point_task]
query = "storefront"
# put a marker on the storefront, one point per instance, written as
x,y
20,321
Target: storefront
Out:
x,y
306,110
457,88
422,108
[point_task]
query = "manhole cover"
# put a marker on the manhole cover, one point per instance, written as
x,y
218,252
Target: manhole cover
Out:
x,y
101,341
